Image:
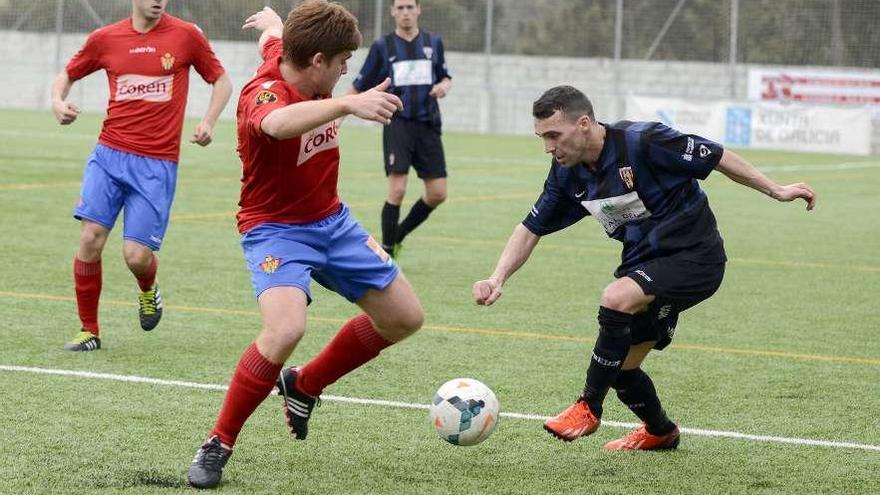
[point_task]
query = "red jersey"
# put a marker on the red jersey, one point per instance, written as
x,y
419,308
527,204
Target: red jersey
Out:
x,y
283,181
148,75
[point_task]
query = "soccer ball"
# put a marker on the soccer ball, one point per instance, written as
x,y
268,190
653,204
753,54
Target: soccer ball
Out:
x,y
464,411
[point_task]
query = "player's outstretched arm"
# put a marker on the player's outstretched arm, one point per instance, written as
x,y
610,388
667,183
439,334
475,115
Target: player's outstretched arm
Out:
x,y
268,21
375,104
351,91
518,249
65,112
204,132
299,118
739,170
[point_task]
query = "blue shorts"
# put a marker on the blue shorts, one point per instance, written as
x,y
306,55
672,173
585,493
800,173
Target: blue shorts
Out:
x,y
335,251
115,179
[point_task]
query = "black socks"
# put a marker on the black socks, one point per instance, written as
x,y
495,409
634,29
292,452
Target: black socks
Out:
x,y
418,214
609,352
636,390
390,217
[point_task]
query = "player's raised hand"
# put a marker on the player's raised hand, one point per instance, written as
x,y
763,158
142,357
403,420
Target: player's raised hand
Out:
x,y
203,134
263,20
791,192
375,104
486,292
65,112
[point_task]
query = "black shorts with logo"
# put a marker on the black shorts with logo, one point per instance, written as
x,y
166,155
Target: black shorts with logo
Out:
x,y
413,143
677,284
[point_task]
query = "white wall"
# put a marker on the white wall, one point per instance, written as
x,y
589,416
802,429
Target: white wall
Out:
x,y
515,81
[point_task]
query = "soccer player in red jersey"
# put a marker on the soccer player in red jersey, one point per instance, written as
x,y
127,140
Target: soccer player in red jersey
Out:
x,y
295,228
147,58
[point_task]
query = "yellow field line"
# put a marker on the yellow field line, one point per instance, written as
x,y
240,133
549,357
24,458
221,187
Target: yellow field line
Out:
x,y
483,331
36,185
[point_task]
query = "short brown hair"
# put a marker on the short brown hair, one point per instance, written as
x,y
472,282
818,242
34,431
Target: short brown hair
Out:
x,y
318,26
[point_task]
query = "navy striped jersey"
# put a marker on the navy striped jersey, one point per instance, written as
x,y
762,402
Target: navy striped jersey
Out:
x,y
414,68
644,192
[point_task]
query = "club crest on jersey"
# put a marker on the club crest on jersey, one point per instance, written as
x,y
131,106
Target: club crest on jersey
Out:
x,y
429,52
626,175
265,96
167,61
270,265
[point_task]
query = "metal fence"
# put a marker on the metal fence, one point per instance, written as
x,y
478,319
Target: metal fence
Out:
x,y
791,32
503,52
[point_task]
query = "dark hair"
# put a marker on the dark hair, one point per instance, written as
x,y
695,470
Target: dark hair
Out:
x,y
569,100
318,26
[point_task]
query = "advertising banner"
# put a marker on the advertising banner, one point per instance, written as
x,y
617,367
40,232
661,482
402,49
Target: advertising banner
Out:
x,y
775,126
814,87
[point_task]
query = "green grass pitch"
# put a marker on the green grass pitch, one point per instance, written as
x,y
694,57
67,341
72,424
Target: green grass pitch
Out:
x,y
788,347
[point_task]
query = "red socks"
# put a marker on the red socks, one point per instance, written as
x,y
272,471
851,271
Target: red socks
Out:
x,y
255,376
87,280
87,285
147,279
354,345
253,380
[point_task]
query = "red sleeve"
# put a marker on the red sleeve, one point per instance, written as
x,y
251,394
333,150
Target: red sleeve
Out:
x,y
86,60
260,101
204,59
272,48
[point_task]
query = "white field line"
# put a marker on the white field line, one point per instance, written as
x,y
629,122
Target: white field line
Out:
x,y
410,405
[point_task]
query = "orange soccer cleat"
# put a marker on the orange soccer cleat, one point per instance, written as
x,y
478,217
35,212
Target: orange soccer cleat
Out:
x,y
575,422
640,439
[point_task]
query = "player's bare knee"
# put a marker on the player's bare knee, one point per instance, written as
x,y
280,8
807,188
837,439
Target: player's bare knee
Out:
x,y
402,324
618,300
91,243
138,258
281,337
435,199
396,195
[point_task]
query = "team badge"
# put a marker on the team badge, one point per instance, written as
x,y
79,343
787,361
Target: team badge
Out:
x,y
271,264
391,159
264,97
429,52
167,61
626,175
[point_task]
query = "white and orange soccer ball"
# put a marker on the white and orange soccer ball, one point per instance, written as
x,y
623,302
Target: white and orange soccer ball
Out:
x,y
464,411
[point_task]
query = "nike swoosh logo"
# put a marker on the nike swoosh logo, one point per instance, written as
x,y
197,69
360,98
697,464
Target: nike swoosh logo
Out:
x,y
578,195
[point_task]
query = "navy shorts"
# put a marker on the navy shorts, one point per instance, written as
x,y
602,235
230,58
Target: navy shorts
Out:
x,y
335,251
677,284
412,143
143,186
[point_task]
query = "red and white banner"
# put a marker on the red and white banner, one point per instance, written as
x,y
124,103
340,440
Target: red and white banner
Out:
x,y
860,88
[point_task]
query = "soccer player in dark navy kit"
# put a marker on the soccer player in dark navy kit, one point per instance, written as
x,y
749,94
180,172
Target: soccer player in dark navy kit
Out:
x,y
639,180
415,62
